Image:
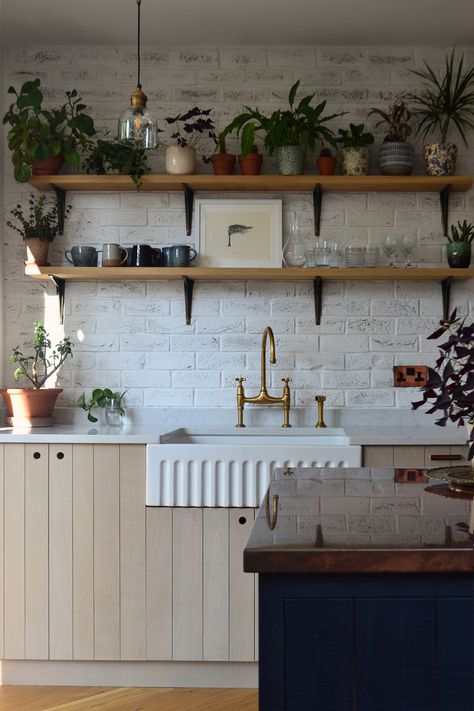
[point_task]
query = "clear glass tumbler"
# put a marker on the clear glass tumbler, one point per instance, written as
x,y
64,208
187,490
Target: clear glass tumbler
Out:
x,y
114,412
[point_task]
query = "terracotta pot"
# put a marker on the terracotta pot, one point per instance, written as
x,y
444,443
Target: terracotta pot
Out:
x,y
223,163
37,251
180,160
30,402
251,164
48,166
326,165
440,158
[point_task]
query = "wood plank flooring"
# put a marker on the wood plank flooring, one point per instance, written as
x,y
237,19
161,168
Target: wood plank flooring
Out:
x,y
94,698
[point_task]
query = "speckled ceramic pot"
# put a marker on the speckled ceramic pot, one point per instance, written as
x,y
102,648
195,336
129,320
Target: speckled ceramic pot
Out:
x,y
180,161
290,160
459,254
396,158
355,161
440,158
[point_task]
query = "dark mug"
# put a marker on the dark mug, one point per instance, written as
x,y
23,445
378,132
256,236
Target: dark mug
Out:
x,y
82,256
145,256
178,255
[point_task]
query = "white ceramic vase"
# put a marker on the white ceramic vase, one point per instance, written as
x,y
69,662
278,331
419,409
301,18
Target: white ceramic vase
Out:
x,y
180,161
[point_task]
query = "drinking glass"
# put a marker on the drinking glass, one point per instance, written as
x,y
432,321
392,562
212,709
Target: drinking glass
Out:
x,y
390,244
353,256
322,253
371,256
407,245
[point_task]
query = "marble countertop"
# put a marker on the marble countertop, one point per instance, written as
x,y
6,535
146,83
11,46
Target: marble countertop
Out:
x,y
358,520
84,434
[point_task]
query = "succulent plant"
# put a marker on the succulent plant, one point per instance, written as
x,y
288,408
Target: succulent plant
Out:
x,y
462,233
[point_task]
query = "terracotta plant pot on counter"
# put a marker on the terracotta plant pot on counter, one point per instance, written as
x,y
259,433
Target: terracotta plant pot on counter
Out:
x,y
31,404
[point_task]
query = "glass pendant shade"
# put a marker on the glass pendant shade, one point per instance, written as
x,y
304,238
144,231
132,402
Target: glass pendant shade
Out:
x,y
137,123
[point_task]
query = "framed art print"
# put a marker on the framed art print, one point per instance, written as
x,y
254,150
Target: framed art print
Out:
x,y
238,233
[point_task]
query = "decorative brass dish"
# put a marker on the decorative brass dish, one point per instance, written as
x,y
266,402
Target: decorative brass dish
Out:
x,y
458,478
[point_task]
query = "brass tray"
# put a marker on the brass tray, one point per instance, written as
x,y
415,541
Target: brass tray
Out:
x,y
454,476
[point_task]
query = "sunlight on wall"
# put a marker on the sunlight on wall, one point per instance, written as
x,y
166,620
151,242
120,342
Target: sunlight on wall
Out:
x,y
53,327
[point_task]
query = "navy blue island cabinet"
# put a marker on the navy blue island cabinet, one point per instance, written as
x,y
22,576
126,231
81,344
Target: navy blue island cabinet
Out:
x,y
366,593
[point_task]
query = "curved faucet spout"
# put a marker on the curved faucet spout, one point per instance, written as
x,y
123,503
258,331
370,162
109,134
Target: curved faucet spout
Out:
x,y
267,334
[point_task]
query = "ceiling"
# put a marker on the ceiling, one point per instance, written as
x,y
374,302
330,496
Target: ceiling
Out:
x,y
239,22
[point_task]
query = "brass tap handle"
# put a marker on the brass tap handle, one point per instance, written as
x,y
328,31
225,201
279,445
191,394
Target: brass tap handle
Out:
x,y
240,380
320,399
287,380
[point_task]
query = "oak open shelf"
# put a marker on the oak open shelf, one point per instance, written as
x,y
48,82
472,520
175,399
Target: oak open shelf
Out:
x,y
60,275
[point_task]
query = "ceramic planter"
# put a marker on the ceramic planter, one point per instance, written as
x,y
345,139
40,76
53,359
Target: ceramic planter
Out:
x,y
290,160
48,166
223,163
440,158
37,251
31,403
326,165
459,254
180,161
355,161
396,158
251,164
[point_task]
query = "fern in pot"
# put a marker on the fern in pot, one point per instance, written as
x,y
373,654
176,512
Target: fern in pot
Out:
x,y
396,154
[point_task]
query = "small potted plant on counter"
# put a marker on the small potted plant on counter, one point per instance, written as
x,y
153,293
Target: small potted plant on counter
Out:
x,y
125,157
396,154
40,139
35,405
355,142
326,162
37,229
108,399
459,245
442,102
188,129
450,386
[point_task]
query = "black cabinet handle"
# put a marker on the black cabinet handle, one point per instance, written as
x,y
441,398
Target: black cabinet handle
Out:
x,y
242,520
60,455
36,455
446,457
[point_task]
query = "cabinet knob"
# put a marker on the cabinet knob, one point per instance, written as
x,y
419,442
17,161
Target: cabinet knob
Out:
x,y
60,455
36,455
242,520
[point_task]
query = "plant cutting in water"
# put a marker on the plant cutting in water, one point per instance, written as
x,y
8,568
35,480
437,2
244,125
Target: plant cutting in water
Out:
x,y
99,398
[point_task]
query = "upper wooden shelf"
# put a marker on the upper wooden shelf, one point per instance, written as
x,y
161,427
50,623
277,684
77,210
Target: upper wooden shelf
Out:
x,y
254,183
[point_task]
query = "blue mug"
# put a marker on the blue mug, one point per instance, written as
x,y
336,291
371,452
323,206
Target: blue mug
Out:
x,y
178,255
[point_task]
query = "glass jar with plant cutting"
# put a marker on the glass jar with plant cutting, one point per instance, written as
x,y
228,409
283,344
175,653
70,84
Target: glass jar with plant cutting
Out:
x,y
105,398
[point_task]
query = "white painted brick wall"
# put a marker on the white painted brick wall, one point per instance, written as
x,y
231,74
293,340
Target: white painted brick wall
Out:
x,y
133,335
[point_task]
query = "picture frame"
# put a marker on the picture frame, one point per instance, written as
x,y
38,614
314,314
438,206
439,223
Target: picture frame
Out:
x,y
220,242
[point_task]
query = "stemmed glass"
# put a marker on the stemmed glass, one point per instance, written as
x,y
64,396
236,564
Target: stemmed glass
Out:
x,y
390,244
407,245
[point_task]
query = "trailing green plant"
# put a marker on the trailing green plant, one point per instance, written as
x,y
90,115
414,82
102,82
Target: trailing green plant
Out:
x,y
37,133
398,119
464,232
355,136
41,365
299,125
445,100
99,398
127,157
42,221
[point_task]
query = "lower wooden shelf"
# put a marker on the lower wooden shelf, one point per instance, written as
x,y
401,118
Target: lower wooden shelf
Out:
x,y
60,275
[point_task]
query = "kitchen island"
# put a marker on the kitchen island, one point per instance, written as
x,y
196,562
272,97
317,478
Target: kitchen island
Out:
x,y
366,595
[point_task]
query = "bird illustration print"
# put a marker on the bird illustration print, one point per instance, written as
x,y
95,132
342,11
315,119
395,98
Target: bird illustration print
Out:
x,y
237,230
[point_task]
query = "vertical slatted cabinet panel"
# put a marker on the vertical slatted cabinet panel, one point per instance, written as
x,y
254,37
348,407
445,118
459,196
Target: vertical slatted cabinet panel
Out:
x,y
378,456
83,550
187,584
60,551
14,555
36,551
132,552
106,552
159,583
242,589
409,456
2,509
215,584
255,607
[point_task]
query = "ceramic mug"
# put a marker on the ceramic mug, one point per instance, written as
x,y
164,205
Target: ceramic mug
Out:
x,y
145,256
113,255
82,256
178,255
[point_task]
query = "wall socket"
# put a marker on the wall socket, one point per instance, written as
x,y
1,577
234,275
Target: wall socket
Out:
x,y
410,376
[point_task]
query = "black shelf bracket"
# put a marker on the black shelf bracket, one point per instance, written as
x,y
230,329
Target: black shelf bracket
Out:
x,y
60,285
61,201
318,299
444,202
188,298
317,200
446,293
188,206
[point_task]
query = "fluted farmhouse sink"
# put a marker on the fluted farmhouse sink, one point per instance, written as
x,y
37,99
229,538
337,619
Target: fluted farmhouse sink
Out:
x,y
232,467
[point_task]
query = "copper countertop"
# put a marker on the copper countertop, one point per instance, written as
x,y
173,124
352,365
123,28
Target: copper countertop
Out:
x,y
358,521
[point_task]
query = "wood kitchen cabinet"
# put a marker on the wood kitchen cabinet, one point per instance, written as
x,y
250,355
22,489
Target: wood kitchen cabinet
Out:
x,y
414,456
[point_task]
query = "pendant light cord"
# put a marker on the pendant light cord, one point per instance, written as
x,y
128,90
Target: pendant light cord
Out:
x,y
139,2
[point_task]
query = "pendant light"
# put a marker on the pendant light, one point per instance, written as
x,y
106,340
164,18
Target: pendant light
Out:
x,y
137,122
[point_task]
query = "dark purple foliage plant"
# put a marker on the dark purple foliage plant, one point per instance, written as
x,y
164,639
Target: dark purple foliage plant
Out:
x,y
450,386
190,126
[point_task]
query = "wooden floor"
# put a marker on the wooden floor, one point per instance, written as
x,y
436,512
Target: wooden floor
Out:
x,y
79,698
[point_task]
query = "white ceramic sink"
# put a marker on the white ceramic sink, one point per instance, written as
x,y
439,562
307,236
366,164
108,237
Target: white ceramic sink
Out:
x,y
229,467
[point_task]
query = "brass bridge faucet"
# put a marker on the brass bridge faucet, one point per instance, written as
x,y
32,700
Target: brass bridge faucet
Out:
x,y
263,398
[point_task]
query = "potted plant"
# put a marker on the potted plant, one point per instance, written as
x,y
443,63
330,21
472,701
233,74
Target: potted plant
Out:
x,y
223,163
125,157
189,127
326,162
36,404
355,143
441,103
106,398
396,155
450,385
38,229
459,245
40,139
